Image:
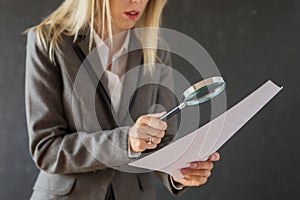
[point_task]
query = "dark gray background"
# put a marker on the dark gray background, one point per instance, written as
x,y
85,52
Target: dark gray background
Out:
x,y
250,41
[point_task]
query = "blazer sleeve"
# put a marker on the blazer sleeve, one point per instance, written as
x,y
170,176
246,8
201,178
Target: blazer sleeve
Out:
x,y
53,147
166,97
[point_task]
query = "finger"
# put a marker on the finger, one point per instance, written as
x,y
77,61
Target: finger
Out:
x,y
202,165
151,145
146,131
187,172
140,145
143,144
197,180
193,181
137,145
154,140
157,123
152,122
214,157
157,115
137,132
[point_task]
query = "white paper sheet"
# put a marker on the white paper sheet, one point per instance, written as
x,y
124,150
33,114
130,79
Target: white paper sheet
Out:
x,y
201,143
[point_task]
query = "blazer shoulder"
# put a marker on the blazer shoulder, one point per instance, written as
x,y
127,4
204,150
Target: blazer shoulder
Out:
x,y
33,41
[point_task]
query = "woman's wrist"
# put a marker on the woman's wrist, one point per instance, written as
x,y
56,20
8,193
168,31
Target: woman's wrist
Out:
x,y
131,152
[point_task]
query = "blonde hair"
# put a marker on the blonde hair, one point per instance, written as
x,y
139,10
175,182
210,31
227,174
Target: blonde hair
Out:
x,y
75,16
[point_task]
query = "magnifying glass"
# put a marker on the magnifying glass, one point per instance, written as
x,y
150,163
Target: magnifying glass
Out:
x,y
198,93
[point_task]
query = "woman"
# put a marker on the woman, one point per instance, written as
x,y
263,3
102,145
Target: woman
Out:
x,y
77,157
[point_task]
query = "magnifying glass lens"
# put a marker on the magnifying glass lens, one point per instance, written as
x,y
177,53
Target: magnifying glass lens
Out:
x,y
203,92
199,93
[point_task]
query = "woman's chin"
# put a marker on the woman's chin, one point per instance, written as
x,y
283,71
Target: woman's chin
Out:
x,y
129,25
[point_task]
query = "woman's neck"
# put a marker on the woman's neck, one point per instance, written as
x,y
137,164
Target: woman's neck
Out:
x,y
118,38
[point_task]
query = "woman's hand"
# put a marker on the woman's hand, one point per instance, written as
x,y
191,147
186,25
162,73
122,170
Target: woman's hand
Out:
x,y
198,172
147,132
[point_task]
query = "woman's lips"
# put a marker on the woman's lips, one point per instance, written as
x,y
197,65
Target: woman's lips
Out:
x,y
132,14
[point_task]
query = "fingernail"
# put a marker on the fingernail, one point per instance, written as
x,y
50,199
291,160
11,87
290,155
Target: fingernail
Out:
x,y
183,171
193,165
213,157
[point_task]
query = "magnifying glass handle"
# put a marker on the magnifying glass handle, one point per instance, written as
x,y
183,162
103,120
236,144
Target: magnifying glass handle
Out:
x,y
174,111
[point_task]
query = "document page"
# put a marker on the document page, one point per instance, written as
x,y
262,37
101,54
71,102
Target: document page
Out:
x,y
201,143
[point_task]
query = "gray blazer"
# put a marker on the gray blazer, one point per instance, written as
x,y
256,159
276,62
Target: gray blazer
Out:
x,y
77,157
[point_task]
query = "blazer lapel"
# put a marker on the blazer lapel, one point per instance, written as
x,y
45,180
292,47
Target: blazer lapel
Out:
x,y
93,58
131,77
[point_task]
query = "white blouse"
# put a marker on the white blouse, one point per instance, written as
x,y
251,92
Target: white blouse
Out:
x,y
118,67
